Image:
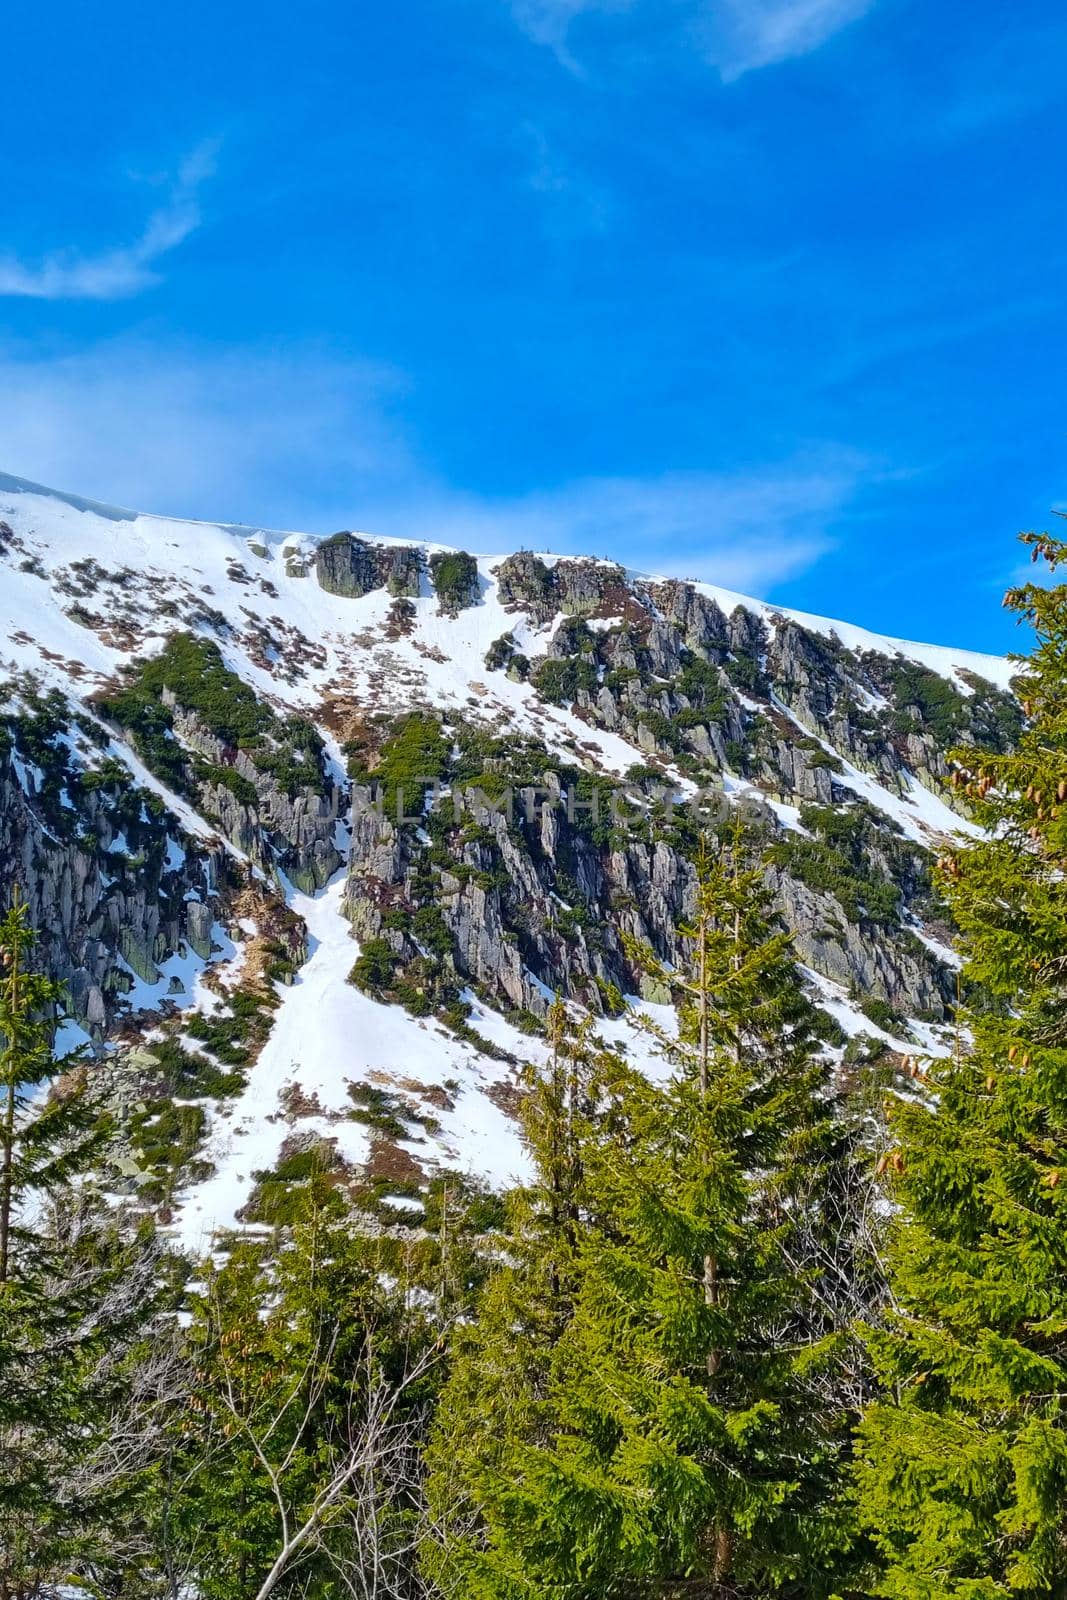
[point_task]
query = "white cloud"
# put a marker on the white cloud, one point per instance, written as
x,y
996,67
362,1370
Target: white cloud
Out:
x,y
575,205
748,531
739,36
736,36
548,22
303,440
280,437
127,270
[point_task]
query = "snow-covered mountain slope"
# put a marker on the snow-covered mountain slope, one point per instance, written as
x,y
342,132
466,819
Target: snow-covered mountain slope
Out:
x,y
199,719
158,562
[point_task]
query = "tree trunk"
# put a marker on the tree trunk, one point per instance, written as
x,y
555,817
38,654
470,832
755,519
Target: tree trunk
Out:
x,y
724,1555
711,1265
7,1140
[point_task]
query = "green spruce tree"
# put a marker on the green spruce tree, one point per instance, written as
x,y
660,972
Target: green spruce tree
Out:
x,y
42,1138
495,1410
296,1462
651,1367
75,1303
962,1478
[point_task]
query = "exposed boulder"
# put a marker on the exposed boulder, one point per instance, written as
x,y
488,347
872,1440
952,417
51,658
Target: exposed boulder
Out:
x,y
454,576
588,587
526,583
400,567
701,621
346,565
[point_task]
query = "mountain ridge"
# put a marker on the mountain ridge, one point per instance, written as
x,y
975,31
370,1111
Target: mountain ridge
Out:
x,y
208,729
1000,666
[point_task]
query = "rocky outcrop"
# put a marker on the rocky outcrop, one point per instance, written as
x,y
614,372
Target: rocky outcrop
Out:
x,y
539,897
379,868
889,966
576,588
823,703
794,771
590,588
455,580
353,567
698,619
294,832
112,901
401,568
525,583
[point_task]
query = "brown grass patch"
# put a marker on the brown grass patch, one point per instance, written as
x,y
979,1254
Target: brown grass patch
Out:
x,y
388,1163
507,1096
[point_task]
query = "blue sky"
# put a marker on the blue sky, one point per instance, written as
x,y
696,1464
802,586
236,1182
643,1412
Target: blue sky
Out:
x,y
770,292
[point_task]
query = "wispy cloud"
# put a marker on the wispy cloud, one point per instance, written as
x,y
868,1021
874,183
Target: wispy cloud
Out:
x,y
739,36
577,205
548,22
748,531
128,269
284,437
736,36
306,439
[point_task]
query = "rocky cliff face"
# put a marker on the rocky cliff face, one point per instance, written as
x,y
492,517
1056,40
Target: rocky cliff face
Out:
x,y
542,888
115,886
351,567
494,772
294,832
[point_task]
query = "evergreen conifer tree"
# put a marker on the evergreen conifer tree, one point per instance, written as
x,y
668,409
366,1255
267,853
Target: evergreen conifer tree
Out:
x,y
42,1139
297,1467
495,1409
75,1303
665,1434
962,1477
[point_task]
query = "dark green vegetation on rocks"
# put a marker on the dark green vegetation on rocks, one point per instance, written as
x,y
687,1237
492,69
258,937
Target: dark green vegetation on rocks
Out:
x,y
259,776
515,873
455,580
190,673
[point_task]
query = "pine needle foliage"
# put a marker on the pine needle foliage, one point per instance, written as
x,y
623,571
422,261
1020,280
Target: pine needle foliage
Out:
x,y
496,1416
639,1409
43,1139
76,1301
962,1477
297,1463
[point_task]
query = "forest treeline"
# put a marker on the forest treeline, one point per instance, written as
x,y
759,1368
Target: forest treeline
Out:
x,y
745,1335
